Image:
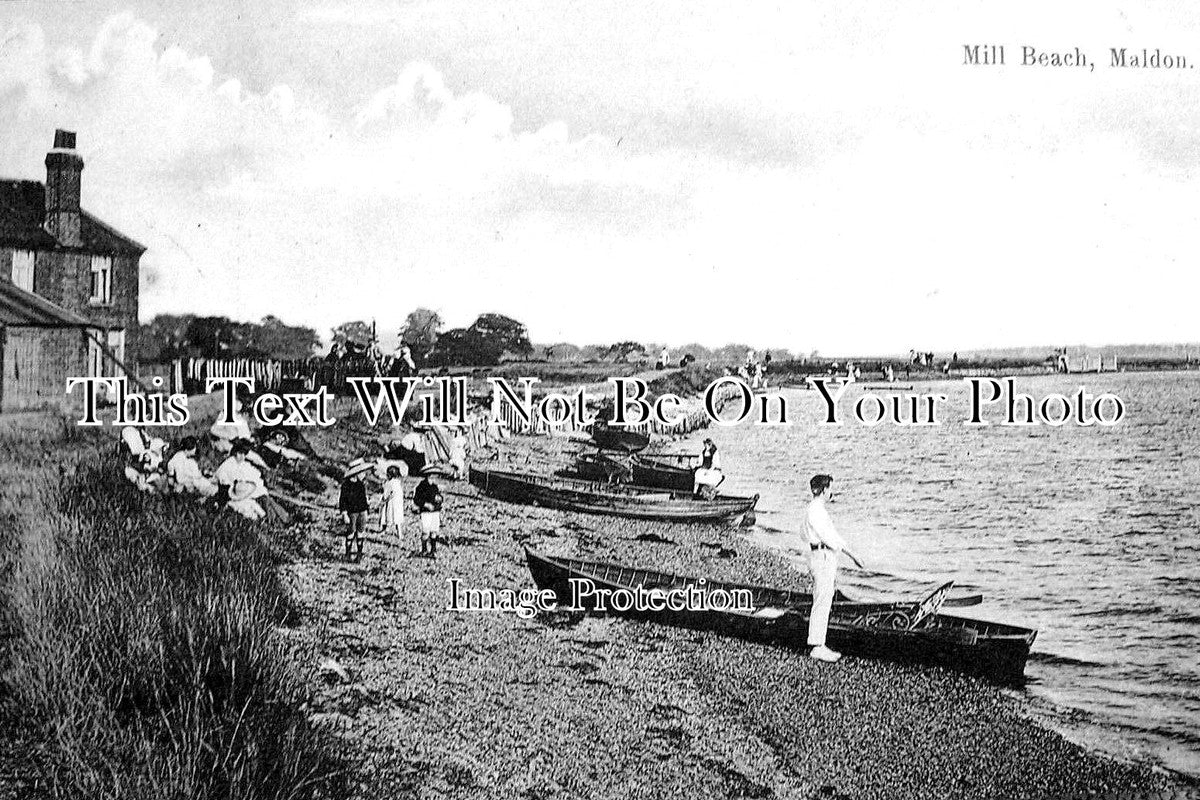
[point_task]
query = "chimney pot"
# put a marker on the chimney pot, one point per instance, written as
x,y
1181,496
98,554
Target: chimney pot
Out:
x,y
64,140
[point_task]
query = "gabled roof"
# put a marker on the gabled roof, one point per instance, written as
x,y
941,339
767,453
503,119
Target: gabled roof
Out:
x,y
19,307
23,212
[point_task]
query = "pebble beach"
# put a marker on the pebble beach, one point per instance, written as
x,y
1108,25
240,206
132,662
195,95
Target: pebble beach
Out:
x,y
441,703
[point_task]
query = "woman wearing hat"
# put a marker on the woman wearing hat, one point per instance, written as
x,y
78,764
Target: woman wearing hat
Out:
x,y
239,483
353,505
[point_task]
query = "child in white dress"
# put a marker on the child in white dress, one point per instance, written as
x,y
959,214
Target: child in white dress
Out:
x,y
391,513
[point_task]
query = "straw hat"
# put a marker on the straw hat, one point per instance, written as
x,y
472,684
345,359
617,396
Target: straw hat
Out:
x,y
434,469
241,490
357,467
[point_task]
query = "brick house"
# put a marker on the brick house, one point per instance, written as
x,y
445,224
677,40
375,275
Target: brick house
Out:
x,y
68,285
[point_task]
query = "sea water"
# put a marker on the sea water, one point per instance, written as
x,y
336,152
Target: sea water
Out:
x,y
1089,534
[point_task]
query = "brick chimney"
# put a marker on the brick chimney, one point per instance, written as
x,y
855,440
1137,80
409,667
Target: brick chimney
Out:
x,y
63,168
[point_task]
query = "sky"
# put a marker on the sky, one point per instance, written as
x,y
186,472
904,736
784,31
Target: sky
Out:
x,y
799,175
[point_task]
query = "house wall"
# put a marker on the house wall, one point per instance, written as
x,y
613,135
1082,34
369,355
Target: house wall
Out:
x,y
65,279
36,365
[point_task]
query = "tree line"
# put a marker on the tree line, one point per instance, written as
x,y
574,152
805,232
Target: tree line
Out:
x,y
487,341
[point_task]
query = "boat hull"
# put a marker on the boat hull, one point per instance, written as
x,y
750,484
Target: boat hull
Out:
x,y
649,472
633,502
993,651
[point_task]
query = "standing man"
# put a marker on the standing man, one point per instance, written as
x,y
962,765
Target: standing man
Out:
x,y
825,544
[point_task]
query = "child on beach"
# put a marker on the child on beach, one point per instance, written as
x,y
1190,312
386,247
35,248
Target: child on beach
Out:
x,y
428,501
391,512
353,505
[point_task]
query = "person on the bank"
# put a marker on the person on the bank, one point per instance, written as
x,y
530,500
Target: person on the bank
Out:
x,y
825,544
391,512
183,471
239,483
427,498
273,447
708,475
353,505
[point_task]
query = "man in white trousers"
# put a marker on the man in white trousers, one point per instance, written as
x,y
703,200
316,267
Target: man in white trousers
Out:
x,y
825,544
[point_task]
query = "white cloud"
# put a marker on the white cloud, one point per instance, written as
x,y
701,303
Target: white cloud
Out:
x,y
924,213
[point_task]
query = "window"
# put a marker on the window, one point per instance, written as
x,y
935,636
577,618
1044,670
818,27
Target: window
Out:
x,y
116,343
22,269
95,359
101,280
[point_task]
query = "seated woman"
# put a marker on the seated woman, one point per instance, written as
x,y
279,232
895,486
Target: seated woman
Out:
x,y
273,447
183,471
241,487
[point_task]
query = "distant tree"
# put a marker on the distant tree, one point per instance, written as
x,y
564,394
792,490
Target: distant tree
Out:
x,y
734,353
214,337
697,351
420,331
276,339
562,351
164,338
592,352
357,332
499,334
621,351
455,346
482,344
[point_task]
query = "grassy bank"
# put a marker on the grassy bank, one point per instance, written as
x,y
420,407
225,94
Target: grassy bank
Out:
x,y
142,658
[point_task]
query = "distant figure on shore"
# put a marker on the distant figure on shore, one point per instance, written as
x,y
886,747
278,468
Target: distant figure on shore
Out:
x,y
458,455
403,365
825,543
664,359
352,502
391,512
183,471
889,374
427,498
708,475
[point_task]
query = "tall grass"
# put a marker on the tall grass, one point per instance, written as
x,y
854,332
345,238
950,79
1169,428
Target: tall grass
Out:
x,y
146,653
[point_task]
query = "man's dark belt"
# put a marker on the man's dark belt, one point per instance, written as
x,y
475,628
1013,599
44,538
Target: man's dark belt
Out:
x,y
821,546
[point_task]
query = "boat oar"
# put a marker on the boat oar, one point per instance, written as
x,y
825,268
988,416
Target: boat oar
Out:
x,y
930,605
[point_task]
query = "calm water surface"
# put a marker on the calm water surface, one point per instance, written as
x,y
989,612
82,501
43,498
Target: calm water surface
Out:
x,y
1090,535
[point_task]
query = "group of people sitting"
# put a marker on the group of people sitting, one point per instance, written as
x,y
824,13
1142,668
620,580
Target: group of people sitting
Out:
x,y
237,482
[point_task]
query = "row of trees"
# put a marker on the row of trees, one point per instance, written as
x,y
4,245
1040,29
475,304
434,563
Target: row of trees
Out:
x,y
489,339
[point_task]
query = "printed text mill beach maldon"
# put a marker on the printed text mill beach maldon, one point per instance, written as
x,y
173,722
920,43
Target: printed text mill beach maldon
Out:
x,y
999,55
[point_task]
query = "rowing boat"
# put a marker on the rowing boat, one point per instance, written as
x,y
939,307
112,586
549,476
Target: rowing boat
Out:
x,y
619,500
638,469
661,474
622,439
992,650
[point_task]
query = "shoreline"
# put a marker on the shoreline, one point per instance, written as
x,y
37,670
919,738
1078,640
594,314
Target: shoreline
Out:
x,y
487,704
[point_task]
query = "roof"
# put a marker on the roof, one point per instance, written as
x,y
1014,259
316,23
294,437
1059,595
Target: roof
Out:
x,y
23,212
19,307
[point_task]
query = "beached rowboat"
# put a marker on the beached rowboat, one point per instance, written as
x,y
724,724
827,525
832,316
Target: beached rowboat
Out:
x,y
637,469
623,439
619,500
653,472
992,650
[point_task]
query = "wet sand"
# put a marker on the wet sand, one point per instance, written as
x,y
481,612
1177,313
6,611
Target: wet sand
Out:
x,y
484,704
